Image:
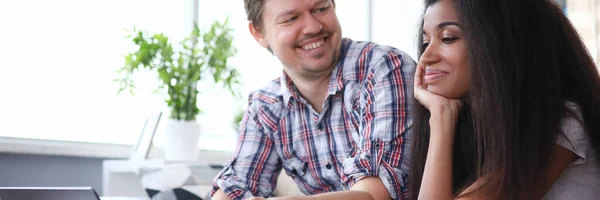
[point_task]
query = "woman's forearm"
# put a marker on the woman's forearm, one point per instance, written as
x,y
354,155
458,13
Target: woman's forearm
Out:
x,y
437,176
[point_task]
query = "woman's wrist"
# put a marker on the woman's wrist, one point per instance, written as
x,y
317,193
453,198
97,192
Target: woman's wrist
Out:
x,y
442,126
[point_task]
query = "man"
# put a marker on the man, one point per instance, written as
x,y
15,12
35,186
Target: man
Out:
x,y
336,120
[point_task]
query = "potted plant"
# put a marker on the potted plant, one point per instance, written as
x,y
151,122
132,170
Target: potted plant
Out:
x,y
200,57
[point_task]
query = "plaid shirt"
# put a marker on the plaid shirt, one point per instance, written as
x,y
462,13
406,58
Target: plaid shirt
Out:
x,y
362,130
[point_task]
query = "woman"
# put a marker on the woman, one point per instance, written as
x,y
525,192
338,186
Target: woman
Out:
x,y
508,104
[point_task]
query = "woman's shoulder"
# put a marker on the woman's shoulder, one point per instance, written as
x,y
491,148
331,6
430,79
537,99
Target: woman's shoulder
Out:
x,y
574,110
573,135
581,179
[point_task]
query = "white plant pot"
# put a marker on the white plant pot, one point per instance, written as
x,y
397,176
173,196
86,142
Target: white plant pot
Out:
x,y
181,140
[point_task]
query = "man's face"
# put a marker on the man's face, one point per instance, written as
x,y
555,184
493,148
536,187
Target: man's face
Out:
x,y
304,34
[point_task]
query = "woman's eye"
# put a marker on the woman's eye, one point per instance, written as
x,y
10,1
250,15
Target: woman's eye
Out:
x,y
424,45
449,39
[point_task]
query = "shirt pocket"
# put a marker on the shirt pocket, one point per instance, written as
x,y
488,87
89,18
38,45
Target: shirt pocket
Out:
x,y
298,170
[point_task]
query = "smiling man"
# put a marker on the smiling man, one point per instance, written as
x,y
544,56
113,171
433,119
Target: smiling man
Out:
x,y
336,121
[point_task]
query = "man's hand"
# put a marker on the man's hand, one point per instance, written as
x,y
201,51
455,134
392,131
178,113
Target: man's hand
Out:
x,y
220,195
374,187
370,188
276,198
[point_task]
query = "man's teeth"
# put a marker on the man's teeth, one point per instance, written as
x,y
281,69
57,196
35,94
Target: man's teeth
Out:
x,y
312,45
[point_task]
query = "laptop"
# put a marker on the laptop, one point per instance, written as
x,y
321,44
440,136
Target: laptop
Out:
x,y
48,193
142,148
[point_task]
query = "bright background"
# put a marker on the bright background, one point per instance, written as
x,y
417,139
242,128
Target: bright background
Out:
x,y
59,58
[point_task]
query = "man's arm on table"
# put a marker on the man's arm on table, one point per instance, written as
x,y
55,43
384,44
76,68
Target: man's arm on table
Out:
x,y
255,162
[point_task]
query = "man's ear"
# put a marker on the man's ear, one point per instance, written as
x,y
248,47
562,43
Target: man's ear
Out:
x,y
258,35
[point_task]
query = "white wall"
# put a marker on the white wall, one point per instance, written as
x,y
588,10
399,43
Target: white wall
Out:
x,y
353,18
395,23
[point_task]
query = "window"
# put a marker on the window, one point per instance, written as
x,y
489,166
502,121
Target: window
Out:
x,y
585,16
60,57
59,60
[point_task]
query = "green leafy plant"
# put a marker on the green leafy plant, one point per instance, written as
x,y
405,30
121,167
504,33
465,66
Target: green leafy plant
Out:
x,y
237,119
203,55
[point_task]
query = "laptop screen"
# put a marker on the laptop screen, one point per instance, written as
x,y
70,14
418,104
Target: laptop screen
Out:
x,y
47,193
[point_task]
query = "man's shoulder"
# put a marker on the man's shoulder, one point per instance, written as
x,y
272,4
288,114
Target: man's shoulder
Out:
x,y
268,96
375,51
374,57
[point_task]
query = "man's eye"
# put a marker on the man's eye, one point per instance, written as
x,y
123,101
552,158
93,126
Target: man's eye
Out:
x,y
424,45
292,19
322,9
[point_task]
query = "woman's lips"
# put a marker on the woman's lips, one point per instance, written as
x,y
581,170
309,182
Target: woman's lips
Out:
x,y
431,75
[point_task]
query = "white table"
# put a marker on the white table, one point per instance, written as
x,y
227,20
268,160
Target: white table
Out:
x,y
120,178
124,198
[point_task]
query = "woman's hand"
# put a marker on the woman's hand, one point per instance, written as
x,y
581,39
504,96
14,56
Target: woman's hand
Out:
x,y
437,175
444,111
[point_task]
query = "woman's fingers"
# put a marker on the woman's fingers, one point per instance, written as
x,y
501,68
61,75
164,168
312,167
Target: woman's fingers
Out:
x,y
418,79
429,99
458,103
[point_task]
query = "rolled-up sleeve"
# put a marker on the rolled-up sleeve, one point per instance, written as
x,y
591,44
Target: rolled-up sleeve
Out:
x,y
255,166
384,140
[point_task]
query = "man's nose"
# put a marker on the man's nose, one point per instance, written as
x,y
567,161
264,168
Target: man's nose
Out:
x,y
312,25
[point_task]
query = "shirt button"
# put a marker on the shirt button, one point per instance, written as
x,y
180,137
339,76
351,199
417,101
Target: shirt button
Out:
x,y
328,166
377,146
320,127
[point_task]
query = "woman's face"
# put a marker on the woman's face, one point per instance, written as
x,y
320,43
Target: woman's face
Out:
x,y
445,56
